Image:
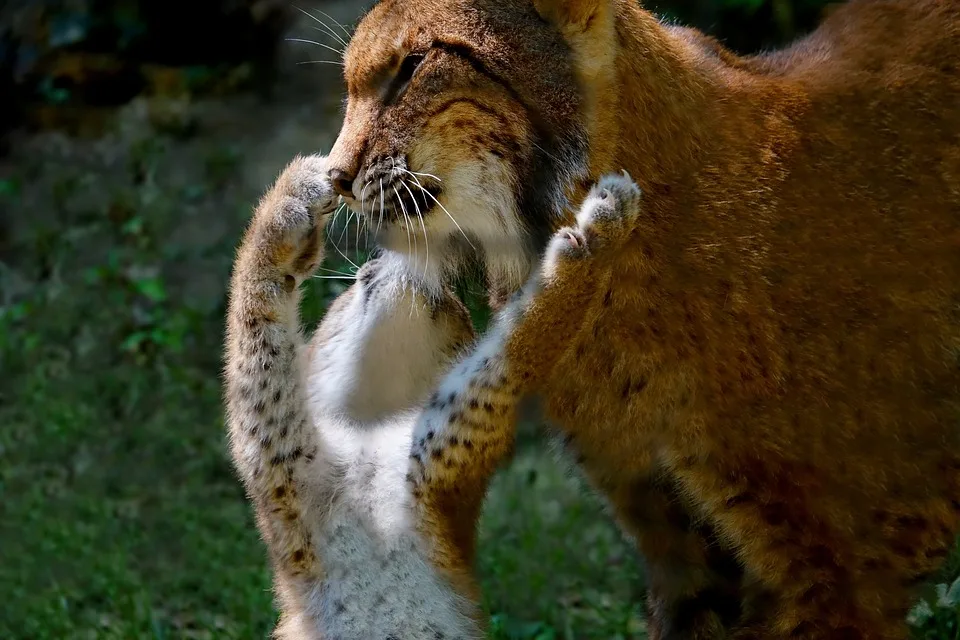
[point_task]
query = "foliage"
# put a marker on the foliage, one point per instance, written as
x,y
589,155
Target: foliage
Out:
x,y
938,616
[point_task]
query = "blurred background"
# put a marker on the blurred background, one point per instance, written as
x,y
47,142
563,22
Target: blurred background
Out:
x,y
136,137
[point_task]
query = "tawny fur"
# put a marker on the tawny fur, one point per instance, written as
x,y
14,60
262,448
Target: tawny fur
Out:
x,y
321,434
764,383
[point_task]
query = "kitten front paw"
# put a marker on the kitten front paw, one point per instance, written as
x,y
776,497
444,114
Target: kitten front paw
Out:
x,y
288,226
308,181
604,220
569,243
609,210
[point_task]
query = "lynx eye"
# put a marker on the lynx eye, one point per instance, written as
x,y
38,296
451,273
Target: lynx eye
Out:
x,y
405,74
409,67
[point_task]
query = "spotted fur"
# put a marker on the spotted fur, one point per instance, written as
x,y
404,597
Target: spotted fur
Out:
x,y
320,432
466,430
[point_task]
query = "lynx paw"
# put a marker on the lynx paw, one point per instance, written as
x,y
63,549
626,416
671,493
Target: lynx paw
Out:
x,y
288,226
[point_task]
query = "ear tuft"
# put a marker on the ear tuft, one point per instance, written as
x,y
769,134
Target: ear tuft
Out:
x,y
570,15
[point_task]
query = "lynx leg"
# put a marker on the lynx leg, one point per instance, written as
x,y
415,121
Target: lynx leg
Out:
x,y
694,584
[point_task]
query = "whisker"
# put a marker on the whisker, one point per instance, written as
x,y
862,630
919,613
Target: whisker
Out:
x,y
452,219
380,219
339,64
546,153
363,191
337,247
407,226
334,271
322,23
319,44
328,28
346,227
335,277
363,210
336,214
428,175
356,241
335,21
366,234
426,243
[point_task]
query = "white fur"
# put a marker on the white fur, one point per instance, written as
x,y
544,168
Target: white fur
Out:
x,y
365,387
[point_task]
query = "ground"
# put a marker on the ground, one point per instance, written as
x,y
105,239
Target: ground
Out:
x,y
120,515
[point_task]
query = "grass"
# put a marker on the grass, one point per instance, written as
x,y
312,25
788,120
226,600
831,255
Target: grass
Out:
x,y
121,515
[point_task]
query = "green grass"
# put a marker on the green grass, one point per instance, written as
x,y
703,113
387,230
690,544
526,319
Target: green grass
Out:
x,y
120,515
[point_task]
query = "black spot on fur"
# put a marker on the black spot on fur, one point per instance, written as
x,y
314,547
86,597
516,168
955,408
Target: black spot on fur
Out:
x,y
911,522
285,458
821,557
775,514
739,499
936,552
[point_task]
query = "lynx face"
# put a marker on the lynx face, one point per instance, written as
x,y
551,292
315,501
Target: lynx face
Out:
x,y
462,131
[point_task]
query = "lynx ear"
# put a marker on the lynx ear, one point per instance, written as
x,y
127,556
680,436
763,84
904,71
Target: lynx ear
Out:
x,y
572,16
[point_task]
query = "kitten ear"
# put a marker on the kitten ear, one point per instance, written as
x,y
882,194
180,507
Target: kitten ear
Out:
x,y
572,16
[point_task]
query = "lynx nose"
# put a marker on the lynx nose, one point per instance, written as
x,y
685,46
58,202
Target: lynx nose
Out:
x,y
342,182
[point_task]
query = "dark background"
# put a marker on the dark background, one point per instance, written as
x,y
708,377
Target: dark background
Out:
x,y
136,137
105,52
